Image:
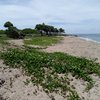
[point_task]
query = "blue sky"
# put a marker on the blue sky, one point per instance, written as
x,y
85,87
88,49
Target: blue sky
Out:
x,y
75,16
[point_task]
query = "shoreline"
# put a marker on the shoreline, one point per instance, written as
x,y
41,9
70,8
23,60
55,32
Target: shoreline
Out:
x,y
83,38
88,39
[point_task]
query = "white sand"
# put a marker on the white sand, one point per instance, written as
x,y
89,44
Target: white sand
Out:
x,y
14,87
78,47
18,42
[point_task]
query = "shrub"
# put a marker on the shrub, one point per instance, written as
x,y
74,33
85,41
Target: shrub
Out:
x,y
2,32
29,31
12,31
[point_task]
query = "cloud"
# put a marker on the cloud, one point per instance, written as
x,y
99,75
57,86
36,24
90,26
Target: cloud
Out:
x,y
74,15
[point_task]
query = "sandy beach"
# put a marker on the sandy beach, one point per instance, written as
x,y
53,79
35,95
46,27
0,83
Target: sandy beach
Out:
x,y
77,47
12,81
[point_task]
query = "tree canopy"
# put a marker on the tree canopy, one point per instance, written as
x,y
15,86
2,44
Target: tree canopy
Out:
x,y
8,24
12,31
44,29
47,29
61,30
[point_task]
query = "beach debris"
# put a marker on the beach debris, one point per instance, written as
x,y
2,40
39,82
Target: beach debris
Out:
x,y
2,81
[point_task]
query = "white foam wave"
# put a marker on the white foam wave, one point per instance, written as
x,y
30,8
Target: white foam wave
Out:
x,y
88,39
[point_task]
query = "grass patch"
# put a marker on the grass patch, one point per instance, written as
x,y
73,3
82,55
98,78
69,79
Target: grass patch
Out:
x,y
43,40
3,38
44,69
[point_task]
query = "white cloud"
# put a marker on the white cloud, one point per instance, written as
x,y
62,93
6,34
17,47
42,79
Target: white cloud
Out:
x,y
73,15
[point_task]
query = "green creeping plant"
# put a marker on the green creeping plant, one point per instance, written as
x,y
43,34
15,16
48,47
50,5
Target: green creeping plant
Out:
x,y
45,68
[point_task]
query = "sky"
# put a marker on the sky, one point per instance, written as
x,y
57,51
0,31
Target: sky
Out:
x,y
75,16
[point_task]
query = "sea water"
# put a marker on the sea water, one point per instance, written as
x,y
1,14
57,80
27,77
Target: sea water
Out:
x,y
90,37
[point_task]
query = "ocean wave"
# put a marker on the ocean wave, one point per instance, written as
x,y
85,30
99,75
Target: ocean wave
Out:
x,y
88,39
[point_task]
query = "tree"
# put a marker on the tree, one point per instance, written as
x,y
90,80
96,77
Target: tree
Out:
x,y
8,24
12,31
61,30
40,28
46,29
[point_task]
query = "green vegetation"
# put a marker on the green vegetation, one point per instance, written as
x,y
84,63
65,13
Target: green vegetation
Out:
x,y
12,31
2,32
43,40
29,31
45,69
61,30
8,24
42,29
48,30
73,96
3,38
